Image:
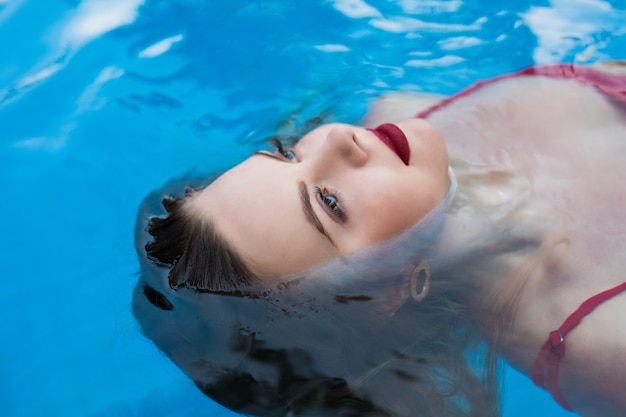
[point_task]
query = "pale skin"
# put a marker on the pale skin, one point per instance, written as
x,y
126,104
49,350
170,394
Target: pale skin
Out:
x,y
566,139
261,202
570,142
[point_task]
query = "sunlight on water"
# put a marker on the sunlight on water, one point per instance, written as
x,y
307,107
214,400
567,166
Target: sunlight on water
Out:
x,y
581,27
102,101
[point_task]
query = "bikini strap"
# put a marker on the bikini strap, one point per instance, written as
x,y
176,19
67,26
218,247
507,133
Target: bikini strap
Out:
x,y
613,85
554,348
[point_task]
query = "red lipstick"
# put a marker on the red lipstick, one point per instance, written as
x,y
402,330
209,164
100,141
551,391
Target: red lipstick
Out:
x,y
392,136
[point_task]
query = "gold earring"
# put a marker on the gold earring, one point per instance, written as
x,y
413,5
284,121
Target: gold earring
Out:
x,y
423,266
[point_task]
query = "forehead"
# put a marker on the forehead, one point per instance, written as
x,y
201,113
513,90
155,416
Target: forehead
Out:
x,y
257,209
246,188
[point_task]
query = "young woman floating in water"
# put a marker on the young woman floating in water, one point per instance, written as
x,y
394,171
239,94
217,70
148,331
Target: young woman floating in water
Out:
x,y
378,271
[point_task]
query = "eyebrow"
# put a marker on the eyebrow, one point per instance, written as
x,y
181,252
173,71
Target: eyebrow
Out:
x,y
309,212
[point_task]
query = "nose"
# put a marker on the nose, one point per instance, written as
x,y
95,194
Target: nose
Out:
x,y
341,149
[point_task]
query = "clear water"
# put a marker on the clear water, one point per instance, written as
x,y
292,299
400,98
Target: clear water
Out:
x,y
102,101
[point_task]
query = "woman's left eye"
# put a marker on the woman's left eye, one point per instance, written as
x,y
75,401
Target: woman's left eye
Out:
x,y
332,202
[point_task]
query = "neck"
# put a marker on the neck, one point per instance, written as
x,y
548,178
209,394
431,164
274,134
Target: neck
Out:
x,y
488,226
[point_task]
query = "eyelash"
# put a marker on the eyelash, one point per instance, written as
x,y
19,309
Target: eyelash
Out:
x,y
291,156
280,148
336,210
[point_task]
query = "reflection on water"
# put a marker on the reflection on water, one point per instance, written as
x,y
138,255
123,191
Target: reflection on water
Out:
x,y
103,101
342,341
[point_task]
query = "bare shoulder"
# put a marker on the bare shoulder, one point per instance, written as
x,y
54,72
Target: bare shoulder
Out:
x,y
568,139
533,93
536,110
594,374
399,106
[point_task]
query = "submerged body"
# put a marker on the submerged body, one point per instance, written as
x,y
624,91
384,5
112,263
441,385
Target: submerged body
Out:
x,y
568,142
535,229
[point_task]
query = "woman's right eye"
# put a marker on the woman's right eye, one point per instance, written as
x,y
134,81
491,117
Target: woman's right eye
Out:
x,y
289,154
286,153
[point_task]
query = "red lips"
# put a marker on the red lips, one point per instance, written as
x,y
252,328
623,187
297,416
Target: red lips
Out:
x,y
392,136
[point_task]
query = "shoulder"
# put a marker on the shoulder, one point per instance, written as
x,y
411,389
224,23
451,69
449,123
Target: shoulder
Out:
x,y
561,89
593,372
399,106
529,95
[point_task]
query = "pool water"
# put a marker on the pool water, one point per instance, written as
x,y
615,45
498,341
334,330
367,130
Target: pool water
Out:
x,y
102,101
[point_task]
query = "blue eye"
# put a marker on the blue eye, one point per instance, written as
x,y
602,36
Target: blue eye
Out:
x,y
286,153
289,155
332,202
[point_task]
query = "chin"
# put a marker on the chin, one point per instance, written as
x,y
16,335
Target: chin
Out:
x,y
426,143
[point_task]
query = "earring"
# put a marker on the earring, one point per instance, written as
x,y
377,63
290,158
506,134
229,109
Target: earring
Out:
x,y
415,275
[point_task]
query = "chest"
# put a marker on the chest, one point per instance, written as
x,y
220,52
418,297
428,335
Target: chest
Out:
x,y
569,142
566,139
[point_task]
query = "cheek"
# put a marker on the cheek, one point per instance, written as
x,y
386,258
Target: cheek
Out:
x,y
401,201
402,214
394,209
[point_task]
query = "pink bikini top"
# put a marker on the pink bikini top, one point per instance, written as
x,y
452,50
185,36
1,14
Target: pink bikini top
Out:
x,y
613,85
545,371
546,366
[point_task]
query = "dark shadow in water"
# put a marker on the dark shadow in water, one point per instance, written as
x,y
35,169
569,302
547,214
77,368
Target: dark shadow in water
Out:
x,y
326,345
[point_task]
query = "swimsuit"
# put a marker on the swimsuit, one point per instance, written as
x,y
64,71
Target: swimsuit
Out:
x,y
613,85
546,366
554,348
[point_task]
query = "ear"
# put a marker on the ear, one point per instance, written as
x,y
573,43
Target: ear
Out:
x,y
391,298
414,281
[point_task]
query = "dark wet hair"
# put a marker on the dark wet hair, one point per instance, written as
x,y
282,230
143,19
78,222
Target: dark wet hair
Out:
x,y
344,339
420,369
196,255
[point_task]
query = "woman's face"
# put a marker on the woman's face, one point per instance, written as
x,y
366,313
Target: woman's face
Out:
x,y
339,189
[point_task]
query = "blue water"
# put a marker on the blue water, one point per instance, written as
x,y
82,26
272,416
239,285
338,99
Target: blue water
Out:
x,y
102,101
